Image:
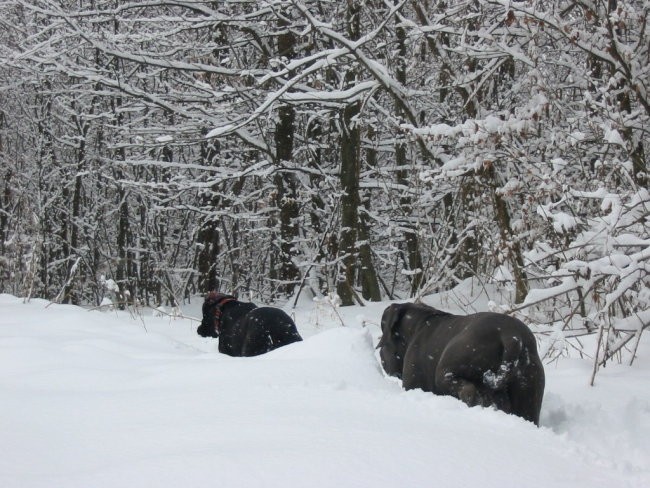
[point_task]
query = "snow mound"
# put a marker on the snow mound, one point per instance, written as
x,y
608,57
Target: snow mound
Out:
x,y
92,399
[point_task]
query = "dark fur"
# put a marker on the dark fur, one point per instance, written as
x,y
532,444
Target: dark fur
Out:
x,y
248,330
486,359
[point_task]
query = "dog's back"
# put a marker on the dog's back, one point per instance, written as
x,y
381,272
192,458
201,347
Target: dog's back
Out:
x,y
268,328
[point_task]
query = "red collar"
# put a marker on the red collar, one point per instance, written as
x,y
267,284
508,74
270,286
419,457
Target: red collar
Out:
x,y
218,310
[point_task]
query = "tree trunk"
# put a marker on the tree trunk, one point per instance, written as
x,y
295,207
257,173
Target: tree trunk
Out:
x,y
511,246
350,142
411,241
208,237
354,242
287,272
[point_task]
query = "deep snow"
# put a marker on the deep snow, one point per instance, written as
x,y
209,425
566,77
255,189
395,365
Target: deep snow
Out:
x,y
105,399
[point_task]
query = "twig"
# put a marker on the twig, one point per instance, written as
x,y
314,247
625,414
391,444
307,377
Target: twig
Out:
x,y
162,312
601,329
320,247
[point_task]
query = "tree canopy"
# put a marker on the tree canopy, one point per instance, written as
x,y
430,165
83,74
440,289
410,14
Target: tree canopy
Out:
x,y
368,150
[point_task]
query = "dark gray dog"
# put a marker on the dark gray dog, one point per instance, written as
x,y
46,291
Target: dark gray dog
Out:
x,y
486,359
243,328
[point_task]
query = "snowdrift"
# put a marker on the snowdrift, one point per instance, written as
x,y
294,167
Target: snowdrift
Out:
x,y
92,399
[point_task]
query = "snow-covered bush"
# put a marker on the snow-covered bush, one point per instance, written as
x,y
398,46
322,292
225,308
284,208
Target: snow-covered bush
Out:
x,y
599,282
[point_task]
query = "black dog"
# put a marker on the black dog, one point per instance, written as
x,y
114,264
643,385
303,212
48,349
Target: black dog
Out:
x,y
486,359
244,329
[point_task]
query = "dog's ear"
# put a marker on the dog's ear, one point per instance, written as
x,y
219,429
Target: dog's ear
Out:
x,y
390,322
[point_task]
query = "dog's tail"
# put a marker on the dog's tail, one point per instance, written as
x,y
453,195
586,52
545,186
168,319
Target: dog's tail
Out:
x,y
513,353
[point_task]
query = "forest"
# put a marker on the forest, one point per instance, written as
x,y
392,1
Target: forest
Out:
x,y
154,150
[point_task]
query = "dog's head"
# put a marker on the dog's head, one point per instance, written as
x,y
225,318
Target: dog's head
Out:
x,y
211,312
392,345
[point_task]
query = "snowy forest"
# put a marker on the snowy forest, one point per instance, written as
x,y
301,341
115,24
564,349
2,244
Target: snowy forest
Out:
x,y
363,150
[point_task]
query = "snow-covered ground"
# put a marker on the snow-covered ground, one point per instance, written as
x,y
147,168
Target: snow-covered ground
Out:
x,y
94,399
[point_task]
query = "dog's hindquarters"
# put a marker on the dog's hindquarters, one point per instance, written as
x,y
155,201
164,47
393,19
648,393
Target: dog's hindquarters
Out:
x,y
268,328
494,362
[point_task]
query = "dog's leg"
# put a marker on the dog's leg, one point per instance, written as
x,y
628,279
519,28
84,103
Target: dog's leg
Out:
x,y
450,383
527,390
